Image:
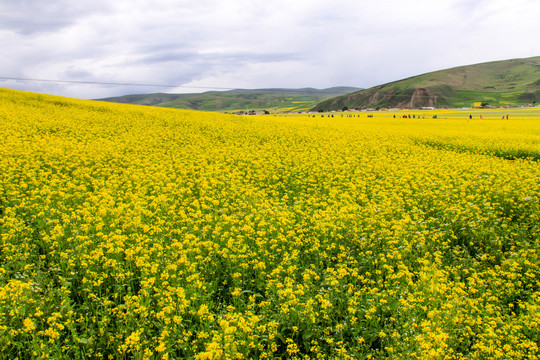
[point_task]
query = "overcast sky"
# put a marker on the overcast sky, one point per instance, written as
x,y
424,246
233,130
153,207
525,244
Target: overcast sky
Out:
x,y
251,43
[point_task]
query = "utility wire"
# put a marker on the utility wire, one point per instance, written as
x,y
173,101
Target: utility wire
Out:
x,y
276,90
113,83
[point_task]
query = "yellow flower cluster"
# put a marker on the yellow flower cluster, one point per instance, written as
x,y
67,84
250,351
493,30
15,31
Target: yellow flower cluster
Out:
x,y
138,232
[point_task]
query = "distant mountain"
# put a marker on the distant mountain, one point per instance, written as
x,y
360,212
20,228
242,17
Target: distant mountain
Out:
x,y
509,82
273,100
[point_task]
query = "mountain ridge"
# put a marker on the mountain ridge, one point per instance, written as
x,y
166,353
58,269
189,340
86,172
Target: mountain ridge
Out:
x,y
496,83
275,99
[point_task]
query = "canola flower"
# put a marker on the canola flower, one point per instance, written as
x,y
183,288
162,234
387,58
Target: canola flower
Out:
x,y
145,233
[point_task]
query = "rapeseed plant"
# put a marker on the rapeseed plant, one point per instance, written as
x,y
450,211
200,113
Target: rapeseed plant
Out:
x,y
137,232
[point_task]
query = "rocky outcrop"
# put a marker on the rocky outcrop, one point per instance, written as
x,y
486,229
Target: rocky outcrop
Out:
x,y
422,98
394,97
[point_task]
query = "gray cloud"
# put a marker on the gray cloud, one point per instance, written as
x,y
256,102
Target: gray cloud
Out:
x,y
28,17
242,43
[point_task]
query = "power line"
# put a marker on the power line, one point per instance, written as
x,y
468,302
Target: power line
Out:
x,y
271,90
114,83
276,90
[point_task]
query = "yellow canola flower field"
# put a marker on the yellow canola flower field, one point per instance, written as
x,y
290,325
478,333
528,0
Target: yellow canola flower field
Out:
x,y
133,232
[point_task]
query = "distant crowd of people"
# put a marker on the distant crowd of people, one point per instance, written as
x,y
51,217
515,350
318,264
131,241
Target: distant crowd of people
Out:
x,y
414,116
348,115
409,116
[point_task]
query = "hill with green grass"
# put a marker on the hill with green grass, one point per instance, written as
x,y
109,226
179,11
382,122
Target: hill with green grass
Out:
x,y
272,100
499,83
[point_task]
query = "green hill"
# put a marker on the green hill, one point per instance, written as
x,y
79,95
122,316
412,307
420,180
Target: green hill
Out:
x,y
274,100
509,82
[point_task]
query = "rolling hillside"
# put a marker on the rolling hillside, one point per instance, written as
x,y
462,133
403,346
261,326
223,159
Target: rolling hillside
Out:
x,y
273,100
509,82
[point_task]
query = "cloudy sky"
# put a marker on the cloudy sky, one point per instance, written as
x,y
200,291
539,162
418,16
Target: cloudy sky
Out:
x,y
205,44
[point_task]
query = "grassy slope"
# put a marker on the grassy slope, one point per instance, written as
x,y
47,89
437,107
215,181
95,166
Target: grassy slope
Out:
x,y
275,100
508,82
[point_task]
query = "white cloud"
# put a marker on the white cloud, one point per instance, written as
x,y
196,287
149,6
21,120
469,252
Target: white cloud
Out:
x,y
252,44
